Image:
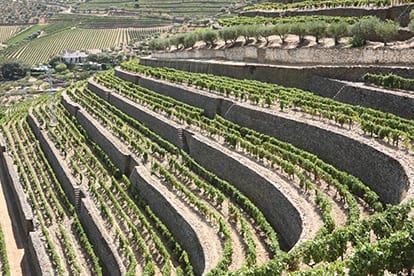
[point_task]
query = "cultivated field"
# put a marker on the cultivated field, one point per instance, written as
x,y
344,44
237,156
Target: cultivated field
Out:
x,y
215,159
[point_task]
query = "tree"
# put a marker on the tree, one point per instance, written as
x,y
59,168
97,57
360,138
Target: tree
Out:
x,y
189,40
337,30
229,33
14,70
364,30
282,30
209,37
317,29
299,29
265,32
386,30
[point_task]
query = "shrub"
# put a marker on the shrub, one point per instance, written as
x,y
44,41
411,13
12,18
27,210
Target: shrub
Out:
x,y
337,30
60,67
247,31
159,44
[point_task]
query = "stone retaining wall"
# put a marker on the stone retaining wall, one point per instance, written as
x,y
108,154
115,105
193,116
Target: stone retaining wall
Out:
x,y
278,210
106,251
152,120
41,264
287,75
171,217
120,156
96,233
384,174
60,169
287,223
313,78
299,56
398,103
380,171
24,211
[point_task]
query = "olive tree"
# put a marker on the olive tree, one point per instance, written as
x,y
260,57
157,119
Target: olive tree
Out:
x,y
337,30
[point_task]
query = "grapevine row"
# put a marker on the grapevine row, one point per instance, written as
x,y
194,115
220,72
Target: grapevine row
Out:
x,y
384,125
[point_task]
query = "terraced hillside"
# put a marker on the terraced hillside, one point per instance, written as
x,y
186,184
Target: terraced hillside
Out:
x,y
146,170
52,43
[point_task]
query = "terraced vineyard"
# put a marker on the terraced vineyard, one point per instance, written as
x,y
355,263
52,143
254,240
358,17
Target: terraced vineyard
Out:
x,y
146,170
43,48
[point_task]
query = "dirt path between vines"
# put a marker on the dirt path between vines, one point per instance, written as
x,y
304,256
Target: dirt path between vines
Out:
x,y
14,242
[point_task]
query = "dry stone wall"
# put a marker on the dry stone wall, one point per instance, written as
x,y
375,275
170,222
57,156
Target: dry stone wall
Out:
x,y
93,228
111,262
278,210
384,174
19,198
41,264
381,172
281,213
299,56
172,218
61,171
398,103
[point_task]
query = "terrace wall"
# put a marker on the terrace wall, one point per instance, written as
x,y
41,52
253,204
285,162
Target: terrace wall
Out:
x,y
398,103
62,172
278,210
299,56
286,219
94,230
380,171
171,217
151,119
120,156
291,74
19,198
41,264
384,174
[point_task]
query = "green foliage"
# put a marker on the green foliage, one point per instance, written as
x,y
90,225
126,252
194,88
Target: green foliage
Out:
x,y
390,80
317,28
14,70
189,40
229,33
60,67
209,37
386,30
300,30
321,4
247,31
411,25
282,30
364,30
337,30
